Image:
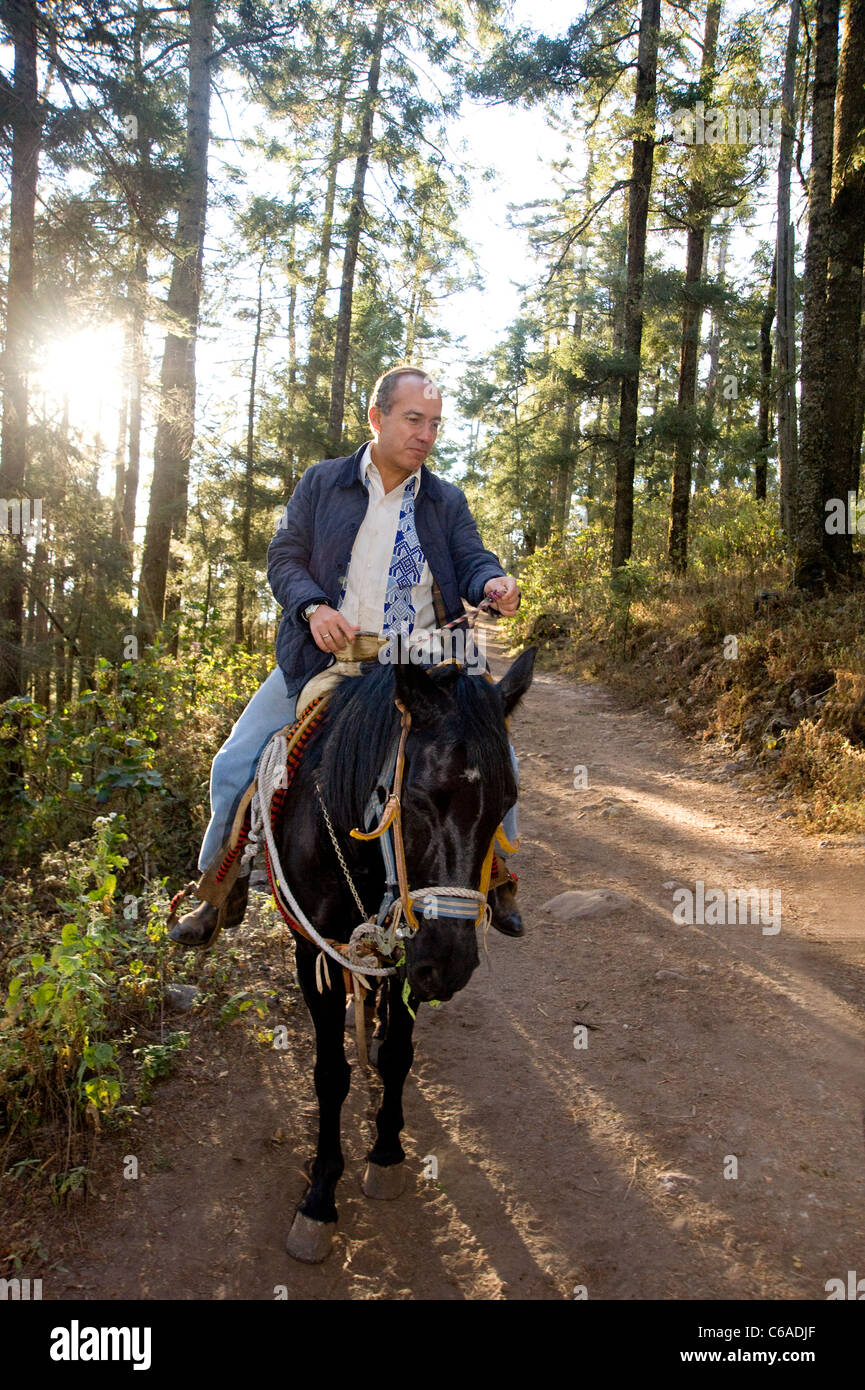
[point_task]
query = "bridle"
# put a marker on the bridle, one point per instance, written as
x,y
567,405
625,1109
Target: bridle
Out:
x,y
441,900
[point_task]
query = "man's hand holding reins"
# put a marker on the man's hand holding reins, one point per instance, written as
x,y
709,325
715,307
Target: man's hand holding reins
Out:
x,y
330,629
507,595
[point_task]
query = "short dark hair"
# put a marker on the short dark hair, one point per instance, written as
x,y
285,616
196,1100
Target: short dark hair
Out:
x,y
385,388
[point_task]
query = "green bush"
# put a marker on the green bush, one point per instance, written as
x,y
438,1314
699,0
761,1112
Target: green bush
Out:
x,y
67,986
736,544
140,743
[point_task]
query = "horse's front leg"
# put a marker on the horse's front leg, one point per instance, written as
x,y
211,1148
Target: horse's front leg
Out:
x,y
313,1228
385,1171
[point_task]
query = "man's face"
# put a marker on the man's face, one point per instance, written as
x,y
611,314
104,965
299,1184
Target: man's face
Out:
x,y
408,432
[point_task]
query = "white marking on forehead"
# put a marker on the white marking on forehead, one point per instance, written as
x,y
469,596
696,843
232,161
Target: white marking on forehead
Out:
x,y
472,774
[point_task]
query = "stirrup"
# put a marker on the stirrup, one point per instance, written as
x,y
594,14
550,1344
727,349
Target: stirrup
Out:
x,y
178,899
501,874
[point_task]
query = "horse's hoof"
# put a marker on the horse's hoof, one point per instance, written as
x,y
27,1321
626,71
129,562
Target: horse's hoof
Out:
x,y
384,1183
309,1240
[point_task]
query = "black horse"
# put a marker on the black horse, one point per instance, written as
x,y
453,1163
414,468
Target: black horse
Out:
x,y
458,783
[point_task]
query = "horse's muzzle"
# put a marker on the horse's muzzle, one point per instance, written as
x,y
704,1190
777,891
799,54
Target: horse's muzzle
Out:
x,y
440,960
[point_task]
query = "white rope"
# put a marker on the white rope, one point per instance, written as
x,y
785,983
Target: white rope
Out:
x,y
271,775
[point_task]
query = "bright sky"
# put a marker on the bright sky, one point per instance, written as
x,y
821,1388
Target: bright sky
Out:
x,y
516,142
519,144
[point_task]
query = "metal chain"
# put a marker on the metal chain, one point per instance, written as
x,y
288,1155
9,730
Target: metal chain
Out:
x,y
348,878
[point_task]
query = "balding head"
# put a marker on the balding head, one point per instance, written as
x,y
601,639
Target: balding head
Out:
x,y
385,389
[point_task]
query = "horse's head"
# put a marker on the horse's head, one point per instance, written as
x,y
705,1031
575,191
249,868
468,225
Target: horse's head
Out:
x,y
457,785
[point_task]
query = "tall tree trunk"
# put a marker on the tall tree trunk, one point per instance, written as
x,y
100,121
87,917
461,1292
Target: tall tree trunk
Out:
x,y
352,241
207,593
683,450
810,568
418,299
844,281
176,421
608,404
59,646
291,272
692,316
137,374
42,626
785,331
138,318
642,161
859,420
120,452
652,488
571,423
527,512
249,471
292,341
20,22
316,331
764,416
701,470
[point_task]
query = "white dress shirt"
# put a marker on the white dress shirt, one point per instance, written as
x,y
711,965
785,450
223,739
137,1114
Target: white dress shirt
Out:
x,y
371,555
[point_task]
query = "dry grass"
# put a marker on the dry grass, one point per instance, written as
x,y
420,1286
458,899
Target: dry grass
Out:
x,y
785,684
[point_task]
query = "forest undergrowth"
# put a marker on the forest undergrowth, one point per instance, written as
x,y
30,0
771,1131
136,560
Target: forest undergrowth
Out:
x,y
730,652
105,807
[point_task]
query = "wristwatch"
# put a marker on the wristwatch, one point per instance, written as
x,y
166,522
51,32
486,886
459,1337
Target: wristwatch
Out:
x,y
309,610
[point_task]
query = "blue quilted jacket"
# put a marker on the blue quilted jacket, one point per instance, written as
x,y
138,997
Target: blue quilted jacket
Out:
x,y
308,558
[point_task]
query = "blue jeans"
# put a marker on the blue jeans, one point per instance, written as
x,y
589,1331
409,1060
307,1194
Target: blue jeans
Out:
x,y
269,710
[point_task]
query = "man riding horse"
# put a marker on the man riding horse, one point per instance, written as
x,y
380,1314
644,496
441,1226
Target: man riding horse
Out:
x,y
368,546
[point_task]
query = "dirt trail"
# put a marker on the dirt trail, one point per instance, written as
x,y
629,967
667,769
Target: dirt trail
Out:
x,y
558,1167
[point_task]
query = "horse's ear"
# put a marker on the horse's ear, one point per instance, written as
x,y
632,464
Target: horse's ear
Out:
x,y
516,681
421,696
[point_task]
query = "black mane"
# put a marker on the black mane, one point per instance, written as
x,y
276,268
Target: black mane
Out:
x,y
362,724
359,728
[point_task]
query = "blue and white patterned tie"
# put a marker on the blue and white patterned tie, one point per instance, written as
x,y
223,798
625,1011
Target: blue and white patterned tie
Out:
x,y
406,568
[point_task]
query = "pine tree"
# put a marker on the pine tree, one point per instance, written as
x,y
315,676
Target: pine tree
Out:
x,y
810,565
638,213
175,426
20,20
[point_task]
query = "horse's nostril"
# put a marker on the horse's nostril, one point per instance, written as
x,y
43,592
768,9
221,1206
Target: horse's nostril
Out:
x,y
426,980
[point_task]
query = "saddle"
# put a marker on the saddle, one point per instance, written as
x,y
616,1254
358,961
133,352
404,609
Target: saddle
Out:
x,y
222,873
